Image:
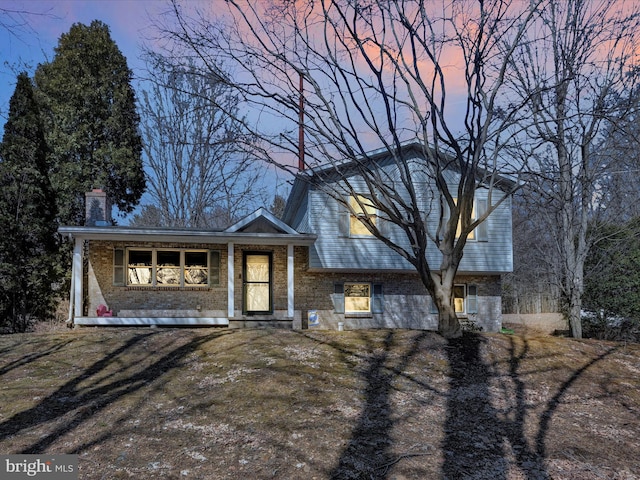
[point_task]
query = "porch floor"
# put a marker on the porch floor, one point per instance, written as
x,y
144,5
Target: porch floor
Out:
x,y
109,321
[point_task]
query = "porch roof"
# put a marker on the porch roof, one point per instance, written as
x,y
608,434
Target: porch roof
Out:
x,y
170,235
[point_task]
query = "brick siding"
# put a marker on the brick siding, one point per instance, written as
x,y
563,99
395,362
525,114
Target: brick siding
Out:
x,y
406,302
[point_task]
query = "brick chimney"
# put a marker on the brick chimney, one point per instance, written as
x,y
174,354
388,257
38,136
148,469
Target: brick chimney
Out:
x,y
98,209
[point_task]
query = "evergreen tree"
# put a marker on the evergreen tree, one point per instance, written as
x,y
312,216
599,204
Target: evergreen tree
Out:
x,y
91,122
612,273
27,215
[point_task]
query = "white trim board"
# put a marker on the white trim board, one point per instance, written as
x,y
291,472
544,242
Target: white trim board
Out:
x,y
107,321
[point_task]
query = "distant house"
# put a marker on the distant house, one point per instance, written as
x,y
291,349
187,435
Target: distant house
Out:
x,y
316,266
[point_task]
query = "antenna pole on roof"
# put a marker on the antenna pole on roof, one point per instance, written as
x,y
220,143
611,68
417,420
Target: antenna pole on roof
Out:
x,y
301,125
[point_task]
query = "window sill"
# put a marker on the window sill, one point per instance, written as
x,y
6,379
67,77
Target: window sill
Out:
x,y
166,289
358,315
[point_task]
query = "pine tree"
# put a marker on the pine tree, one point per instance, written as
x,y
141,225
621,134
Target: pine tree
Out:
x,y
27,215
91,122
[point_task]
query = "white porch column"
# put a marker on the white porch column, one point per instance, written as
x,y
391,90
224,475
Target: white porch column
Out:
x,y
76,273
230,280
290,282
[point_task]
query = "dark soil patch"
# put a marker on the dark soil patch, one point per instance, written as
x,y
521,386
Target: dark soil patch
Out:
x,y
383,404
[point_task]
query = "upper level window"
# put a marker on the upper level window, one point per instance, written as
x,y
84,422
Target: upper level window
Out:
x,y
165,267
480,232
472,233
364,211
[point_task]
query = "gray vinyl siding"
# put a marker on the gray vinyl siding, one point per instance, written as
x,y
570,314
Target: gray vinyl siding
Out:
x,y
300,221
309,210
335,250
494,254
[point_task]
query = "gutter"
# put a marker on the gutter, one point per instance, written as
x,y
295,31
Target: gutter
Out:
x,y
129,234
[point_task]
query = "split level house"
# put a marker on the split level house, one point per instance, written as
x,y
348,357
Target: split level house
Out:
x,y
316,267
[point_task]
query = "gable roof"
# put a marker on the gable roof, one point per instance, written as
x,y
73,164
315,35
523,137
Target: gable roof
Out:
x,y
261,221
260,227
303,180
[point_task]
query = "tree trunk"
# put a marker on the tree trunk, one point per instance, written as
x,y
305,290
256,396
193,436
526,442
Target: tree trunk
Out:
x,y
448,323
575,320
575,289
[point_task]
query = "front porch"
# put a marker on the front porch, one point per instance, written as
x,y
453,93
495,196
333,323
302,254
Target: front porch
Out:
x,y
175,318
241,276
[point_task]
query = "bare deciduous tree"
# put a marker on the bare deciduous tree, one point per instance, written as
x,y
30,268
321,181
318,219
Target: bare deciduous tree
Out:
x,y
571,73
199,173
378,74
533,285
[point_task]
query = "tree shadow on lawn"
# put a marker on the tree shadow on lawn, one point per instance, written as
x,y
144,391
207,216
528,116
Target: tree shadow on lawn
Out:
x,y
32,357
477,434
485,441
555,401
367,454
96,388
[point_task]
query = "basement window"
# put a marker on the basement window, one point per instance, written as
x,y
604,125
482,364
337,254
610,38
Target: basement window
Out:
x,y
357,298
465,298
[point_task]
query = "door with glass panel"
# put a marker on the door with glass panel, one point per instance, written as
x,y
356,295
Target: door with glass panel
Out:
x,y
257,283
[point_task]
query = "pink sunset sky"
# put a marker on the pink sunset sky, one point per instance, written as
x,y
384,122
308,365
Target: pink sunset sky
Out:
x,y
30,30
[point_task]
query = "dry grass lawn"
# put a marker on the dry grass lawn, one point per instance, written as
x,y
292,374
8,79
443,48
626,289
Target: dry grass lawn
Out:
x,y
383,404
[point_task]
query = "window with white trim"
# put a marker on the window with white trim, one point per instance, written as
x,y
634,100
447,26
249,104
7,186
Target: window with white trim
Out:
x,y
364,212
480,233
472,233
465,300
459,298
168,267
358,298
140,267
172,267
196,269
